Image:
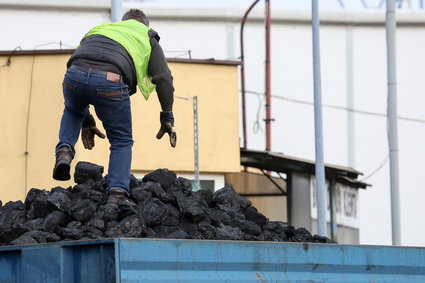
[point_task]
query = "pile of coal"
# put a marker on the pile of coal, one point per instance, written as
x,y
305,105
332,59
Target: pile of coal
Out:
x,y
166,207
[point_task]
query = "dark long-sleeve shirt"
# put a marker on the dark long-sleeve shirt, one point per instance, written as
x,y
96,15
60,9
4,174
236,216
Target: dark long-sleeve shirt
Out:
x,y
102,53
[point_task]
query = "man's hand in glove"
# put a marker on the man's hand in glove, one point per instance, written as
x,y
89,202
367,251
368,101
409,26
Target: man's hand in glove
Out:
x,y
167,126
88,131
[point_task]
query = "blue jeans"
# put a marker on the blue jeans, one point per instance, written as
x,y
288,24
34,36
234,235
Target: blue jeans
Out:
x,y
111,102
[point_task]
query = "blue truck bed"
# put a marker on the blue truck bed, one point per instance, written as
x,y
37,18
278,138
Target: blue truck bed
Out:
x,y
163,260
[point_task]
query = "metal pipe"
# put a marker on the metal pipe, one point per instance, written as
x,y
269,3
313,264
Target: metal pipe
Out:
x,y
350,98
196,142
245,140
289,197
332,208
390,24
319,167
268,79
116,10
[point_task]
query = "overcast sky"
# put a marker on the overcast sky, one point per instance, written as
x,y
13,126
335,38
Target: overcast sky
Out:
x,y
291,4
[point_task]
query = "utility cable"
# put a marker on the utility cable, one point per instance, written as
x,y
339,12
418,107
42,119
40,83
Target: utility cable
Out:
x,y
9,59
381,165
26,153
341,108
180,53
183,98
60,43
377,169
257,125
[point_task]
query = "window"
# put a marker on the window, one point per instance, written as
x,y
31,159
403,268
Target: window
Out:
x,y
211,182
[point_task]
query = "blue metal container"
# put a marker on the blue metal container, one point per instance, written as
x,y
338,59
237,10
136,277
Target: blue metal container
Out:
x,y
161,260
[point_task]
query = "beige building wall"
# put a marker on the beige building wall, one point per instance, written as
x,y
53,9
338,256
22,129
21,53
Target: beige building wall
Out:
x,y
32,105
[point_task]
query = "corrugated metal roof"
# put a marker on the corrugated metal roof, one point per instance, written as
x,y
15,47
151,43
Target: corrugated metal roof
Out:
x,y
279,162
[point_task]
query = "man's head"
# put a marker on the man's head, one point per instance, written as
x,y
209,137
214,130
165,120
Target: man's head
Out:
x,y
137,15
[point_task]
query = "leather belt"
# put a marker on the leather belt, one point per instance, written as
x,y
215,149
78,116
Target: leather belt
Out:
x,y
110,76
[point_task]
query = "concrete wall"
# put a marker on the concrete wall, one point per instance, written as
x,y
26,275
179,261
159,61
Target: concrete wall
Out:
x,y
32,106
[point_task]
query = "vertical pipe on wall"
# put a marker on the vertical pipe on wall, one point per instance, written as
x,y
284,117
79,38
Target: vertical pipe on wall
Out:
x,y
350,97
390,23
268,79
245,139
196,142
320,168
332,208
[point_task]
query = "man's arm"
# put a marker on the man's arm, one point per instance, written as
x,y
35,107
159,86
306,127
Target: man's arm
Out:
x,y
161,77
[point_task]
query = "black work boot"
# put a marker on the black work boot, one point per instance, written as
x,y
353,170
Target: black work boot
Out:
x,y
64,156
118,196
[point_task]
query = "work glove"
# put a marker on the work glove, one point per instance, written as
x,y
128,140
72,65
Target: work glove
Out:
x,y
88,131
167,126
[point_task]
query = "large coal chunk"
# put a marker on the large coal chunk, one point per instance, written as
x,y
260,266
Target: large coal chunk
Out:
x,y
39,208
251,213
191,229
207,196
301,235
268,235
228,200
164,177
82,210
322,239
184,185
192,207
171,232
107,213
58,200
89,184
12,219
140,194
53,220
153,212
35,224
15,231
42,237
225,232
11,213
32,195
125,209
96,222
217,216
246,226
279,227
69,232
92,232
131,226
24,240
86,170
157,191
207,231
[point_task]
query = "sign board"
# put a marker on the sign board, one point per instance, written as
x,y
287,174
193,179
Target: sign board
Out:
x,y
345,201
